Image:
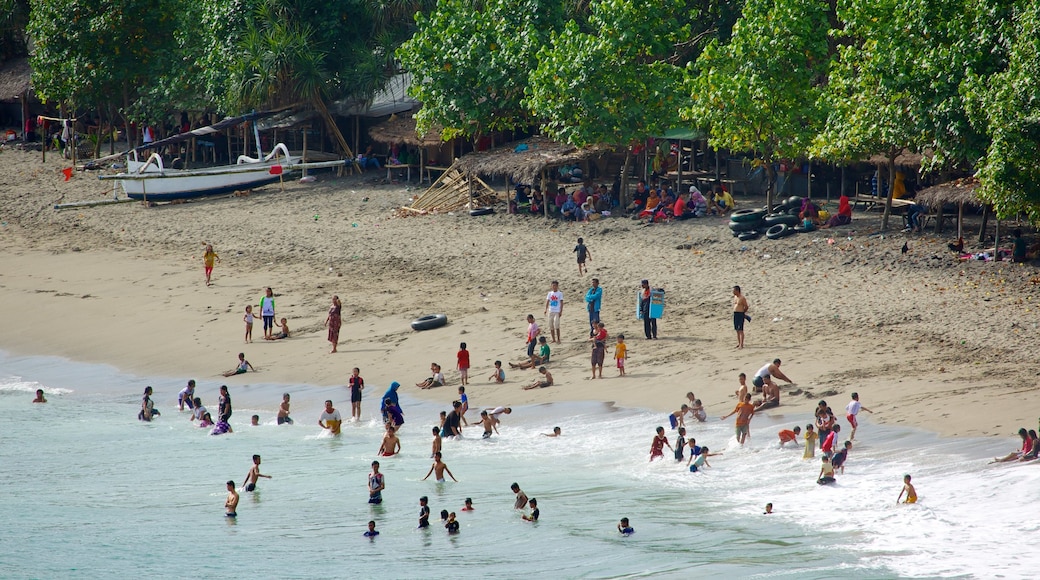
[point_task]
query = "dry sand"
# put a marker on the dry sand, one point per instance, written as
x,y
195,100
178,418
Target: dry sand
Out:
x,y
926,340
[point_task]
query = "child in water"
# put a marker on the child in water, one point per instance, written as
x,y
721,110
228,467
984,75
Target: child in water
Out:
x,y
826,472
810,442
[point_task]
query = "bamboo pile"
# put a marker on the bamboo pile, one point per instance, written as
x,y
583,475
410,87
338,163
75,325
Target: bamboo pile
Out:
x,y
452,191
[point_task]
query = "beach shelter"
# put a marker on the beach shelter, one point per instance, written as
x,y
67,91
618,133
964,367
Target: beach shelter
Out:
x,y
958,191
401,128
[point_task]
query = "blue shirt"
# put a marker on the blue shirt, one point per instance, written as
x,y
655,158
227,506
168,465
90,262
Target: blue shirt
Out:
x,y
594,296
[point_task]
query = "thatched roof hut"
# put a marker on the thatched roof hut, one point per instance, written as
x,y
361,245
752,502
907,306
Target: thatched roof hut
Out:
x,y
904,159
526,165
401,129
14,78
959,191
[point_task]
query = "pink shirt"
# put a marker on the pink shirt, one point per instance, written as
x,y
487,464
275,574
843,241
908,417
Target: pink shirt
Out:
x,y
532,332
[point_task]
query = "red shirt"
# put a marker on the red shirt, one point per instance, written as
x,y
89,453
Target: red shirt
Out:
x,y
601,334
463,359
787,435
679,208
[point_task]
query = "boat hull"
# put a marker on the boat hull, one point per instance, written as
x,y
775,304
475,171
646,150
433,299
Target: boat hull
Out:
x,y
169,186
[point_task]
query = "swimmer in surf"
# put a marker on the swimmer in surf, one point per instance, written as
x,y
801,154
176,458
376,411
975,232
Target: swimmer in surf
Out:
x,y
39,397
391,445
254,474
438,468
908,489
231,503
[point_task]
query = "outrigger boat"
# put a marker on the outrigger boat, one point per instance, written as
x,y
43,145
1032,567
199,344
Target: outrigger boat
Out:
x,y
151,180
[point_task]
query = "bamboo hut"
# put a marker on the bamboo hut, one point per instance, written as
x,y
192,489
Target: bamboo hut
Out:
x,y
401,128
15,85
958,191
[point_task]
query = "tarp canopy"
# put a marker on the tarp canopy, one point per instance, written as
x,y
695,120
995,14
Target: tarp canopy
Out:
x,y
684,134
392,98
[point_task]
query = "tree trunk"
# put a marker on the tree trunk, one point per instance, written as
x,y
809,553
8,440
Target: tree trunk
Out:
x,y
623,198
767,161
319,104
892,154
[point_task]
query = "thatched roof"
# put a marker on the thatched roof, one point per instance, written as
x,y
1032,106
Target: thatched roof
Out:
x,y
905,159
401,129
525,166
14,78
957,191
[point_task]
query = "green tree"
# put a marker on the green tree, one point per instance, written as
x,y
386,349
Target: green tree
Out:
x,y
1006,106
14,17
470,63
760,92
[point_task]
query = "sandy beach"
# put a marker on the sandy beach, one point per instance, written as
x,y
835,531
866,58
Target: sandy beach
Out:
x,y
928,341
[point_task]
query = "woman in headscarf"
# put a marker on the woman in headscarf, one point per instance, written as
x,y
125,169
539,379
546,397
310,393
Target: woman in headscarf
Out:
x,y
391,396
334,321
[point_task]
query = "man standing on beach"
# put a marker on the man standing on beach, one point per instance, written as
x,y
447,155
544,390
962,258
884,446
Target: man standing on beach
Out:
x,y
593,301
740,308
554,308
649,324
744,411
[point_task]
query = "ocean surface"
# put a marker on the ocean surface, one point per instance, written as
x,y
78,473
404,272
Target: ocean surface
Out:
x,y
88,491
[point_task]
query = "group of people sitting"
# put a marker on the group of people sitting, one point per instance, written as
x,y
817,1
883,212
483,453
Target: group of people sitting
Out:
x,y
662,204
586,200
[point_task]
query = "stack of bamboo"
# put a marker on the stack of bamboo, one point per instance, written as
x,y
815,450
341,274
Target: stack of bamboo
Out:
x,y
452,191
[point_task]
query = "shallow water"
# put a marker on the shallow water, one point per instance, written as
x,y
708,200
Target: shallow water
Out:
x,y
89,491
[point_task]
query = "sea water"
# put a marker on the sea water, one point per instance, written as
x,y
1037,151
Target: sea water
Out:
x,y
89,491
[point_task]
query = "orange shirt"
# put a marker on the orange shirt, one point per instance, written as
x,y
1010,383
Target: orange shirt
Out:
x,y
787,435
744,412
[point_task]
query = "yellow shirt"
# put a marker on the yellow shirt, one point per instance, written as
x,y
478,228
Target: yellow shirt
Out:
x,y
209,258
619,350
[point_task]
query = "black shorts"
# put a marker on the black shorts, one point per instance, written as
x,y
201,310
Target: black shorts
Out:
x,y
355,396
250,487
268,322
758,381
283,420
738,321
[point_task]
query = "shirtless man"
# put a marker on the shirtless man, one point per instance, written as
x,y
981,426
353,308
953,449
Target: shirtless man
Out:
x,y
521,497
743,386
436,442
39,397
254,474
391,445
770,397
488,424
283,410
438,468
545,381
556,433
740,308
231,503
330,419
765,374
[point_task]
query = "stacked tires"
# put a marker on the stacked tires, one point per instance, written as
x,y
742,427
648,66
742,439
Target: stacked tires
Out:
x,y
779,222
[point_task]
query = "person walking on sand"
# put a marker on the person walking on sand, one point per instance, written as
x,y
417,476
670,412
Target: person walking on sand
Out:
x,y
208,258
554,308
231,503
267,312
356,384
463,363
908,489
438,469
376,485
253,475
853,409
583,254
744,411
532,335
333,322
740,308
649,324
593,302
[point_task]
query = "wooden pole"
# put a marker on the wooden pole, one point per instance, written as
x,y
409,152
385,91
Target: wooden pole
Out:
x,y
303,156
996,237
960,220
985,220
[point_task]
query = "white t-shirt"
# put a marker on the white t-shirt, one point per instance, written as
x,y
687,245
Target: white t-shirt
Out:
x,y
333,416
853,408
200,411
497,411
555,300
438,378
764,371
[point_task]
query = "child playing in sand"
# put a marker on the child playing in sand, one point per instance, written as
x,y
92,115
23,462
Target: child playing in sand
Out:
x,y
499,376
284,326
545,381
598,353
248,319
243,365
437,380
463,364
208,258
620,350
